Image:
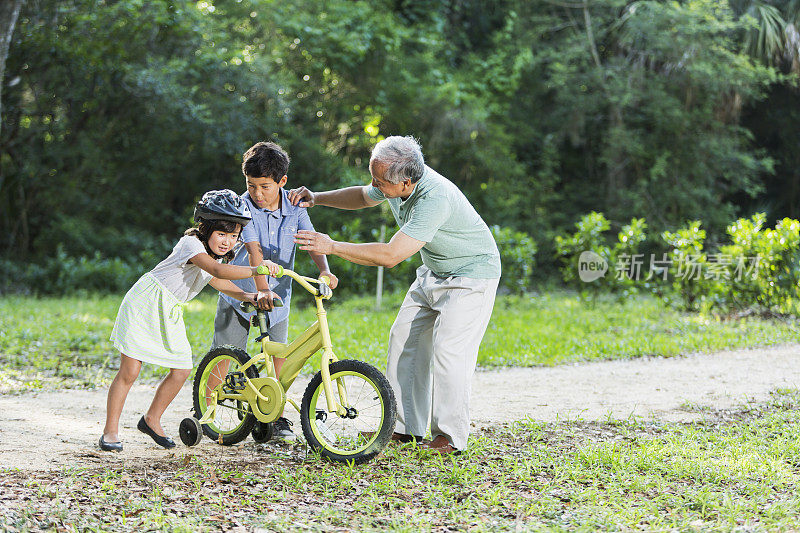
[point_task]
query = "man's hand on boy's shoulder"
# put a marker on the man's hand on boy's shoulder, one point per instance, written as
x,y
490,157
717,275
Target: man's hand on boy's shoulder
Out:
x,y
302,197
334,281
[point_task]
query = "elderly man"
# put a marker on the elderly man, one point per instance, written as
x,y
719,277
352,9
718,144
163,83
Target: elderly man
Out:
x,y
433,343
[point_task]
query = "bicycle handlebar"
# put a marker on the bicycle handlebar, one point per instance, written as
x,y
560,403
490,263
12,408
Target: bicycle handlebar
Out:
x,y
322,288
247,306
262,270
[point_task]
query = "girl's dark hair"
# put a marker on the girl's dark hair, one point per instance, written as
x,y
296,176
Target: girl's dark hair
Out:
x,y
203,230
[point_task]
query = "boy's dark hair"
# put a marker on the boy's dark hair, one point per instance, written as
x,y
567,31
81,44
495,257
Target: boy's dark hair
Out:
x,y
203,230
265,160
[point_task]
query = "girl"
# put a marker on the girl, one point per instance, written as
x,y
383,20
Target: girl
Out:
x,y
149,326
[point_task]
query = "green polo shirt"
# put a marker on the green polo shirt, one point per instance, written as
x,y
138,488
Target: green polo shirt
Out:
x,y
457,240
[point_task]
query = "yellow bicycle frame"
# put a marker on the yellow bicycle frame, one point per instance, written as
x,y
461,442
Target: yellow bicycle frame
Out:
x,y
295,355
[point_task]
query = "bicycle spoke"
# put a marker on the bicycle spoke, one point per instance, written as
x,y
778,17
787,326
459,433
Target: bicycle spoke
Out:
x,y
348,433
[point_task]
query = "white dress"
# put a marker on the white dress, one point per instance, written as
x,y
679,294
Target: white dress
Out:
x,y
149,325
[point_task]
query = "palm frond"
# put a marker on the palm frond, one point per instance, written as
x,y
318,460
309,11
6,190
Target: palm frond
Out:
x,y
769,43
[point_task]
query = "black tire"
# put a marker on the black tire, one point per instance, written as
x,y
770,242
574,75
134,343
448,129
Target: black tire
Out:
x,y
244,417
263,432
190,432
362,435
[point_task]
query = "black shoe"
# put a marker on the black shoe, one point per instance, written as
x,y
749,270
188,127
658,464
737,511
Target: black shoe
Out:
x,y
166,442
283,429
110,446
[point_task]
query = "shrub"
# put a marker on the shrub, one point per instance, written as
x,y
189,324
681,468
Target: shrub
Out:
x,y
64,273
517,256
621,256
690,289
757,271
766,270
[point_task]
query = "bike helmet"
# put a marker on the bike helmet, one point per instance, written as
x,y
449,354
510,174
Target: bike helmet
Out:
x,y
223,205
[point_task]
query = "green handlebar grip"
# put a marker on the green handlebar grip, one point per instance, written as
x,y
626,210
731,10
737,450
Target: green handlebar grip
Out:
x,y
262,270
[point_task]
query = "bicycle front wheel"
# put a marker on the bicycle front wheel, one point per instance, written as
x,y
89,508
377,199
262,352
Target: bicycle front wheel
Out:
x,y
366,427
233,420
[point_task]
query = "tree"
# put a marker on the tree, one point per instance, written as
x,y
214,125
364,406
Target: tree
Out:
x,y
9,11
772,33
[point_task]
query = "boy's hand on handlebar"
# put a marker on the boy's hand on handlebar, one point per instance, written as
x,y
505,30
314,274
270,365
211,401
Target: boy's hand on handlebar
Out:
x,y
302,197
264,300
313,241
334,281
275,269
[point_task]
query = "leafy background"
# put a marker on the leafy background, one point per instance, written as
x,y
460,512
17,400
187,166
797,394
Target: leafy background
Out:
x,y
118,115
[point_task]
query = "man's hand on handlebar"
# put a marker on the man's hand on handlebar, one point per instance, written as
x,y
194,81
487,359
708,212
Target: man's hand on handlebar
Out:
x,y
302,197
333,280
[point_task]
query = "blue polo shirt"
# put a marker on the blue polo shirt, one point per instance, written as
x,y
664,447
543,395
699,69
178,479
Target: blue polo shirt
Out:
x,y
274,231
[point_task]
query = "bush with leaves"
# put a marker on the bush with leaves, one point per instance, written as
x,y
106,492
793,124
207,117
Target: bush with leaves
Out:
x,y
517,256
622,256
756,272
766,273
687,264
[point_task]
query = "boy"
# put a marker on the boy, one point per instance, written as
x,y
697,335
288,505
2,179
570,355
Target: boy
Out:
x,y
270,235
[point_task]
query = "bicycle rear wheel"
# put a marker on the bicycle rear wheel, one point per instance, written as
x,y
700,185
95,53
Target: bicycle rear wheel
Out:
x,y
365,429
234,419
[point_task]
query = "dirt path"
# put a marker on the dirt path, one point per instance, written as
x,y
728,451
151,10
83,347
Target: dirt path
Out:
x,y
50,430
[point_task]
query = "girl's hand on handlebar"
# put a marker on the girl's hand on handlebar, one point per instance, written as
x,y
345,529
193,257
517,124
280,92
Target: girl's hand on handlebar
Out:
x,y
333,280
275,269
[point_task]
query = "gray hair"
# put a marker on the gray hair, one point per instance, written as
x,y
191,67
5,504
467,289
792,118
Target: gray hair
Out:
x,y
402,157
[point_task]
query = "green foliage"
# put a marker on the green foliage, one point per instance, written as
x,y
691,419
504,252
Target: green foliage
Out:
x,y
756,272
118,115
635,107
62,274
621,256
775,126
776,269
517,256
686,266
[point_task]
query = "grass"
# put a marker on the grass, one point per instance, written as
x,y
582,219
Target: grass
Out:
x,y
57,342
735,470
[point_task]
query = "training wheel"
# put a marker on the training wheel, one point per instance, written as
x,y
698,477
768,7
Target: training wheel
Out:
x,y
263,432
190,431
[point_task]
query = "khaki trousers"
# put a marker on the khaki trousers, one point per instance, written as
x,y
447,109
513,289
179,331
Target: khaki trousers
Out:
x,y
433,349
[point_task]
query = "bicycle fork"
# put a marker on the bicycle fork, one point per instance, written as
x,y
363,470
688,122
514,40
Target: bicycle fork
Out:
x,y
327,357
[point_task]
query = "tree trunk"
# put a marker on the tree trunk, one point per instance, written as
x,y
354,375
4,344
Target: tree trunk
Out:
x,y
9,11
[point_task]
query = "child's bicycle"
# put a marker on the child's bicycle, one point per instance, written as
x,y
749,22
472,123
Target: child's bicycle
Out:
x,y
348,410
